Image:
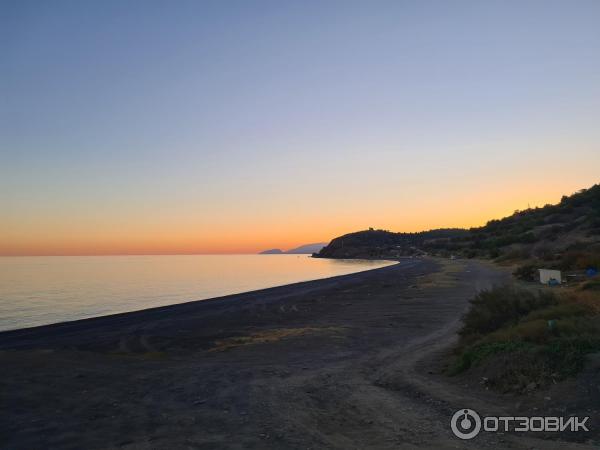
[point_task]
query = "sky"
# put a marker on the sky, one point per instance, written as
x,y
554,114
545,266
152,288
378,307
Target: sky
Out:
x,y
145,127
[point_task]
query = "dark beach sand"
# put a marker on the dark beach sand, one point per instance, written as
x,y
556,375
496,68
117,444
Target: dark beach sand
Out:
x,y
346,362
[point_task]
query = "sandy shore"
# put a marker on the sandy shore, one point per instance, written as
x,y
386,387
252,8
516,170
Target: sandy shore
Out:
x,y
334,363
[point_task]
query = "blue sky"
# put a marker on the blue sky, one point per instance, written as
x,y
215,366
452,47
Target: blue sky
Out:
x,y
125,120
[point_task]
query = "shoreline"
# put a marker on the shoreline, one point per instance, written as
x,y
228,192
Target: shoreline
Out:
x,y
130,317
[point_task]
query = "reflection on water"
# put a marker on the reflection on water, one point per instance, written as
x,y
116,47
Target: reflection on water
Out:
x,y
49,289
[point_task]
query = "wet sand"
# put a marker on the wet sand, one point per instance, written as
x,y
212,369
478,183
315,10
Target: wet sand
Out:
x,y
334,363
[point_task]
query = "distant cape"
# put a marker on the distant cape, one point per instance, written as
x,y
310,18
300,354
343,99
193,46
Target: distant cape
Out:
x,y
307,249
273,251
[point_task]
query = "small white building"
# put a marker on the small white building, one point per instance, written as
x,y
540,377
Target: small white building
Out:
x,y
547,275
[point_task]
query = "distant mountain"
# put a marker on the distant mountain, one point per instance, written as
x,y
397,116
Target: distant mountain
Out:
x,y
273,251
307,249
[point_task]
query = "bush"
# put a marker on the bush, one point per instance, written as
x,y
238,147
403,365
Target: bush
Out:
x,y
580,259
567,356
592,285
527,272
494,252
563,309
517,337
513,365
501,306
473,355
528,238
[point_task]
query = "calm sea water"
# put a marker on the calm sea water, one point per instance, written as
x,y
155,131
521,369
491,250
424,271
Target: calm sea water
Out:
x,y
47,289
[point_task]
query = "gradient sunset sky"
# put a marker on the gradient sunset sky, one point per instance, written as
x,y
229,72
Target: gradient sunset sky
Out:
x,y
236,126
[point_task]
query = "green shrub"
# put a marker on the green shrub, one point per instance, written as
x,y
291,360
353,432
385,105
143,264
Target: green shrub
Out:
x,y
518,337
560,310
580,259
537,331
501,306
473,355
528,238
494,252
592,285
567,356
527,272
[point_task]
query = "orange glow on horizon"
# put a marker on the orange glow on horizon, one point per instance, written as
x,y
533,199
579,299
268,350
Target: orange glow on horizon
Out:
x,y
433,210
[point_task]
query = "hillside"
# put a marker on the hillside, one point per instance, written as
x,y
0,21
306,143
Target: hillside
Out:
x,y
382,243
566,235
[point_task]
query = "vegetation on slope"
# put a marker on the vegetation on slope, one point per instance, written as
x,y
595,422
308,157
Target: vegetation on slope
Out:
x,y
565,236
518,340
385,244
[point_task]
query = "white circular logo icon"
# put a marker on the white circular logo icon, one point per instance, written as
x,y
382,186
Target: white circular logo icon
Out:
x,y
465,424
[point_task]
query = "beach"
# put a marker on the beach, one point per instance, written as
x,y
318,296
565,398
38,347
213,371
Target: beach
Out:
x,y
43,290
345,362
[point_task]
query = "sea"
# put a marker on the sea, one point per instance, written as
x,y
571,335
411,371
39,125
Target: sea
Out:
x,y
40,290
